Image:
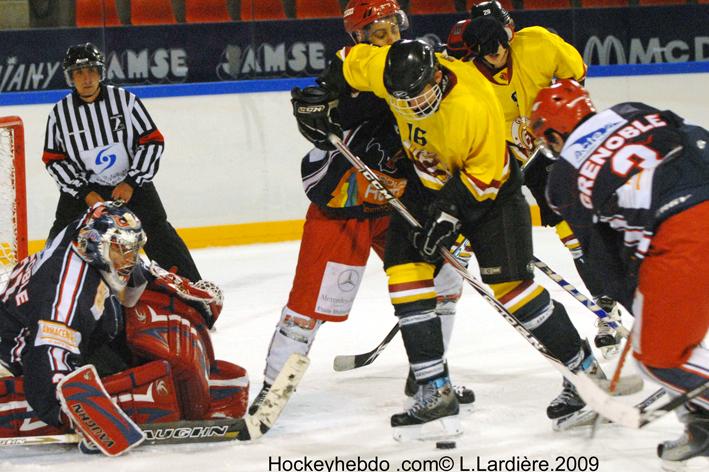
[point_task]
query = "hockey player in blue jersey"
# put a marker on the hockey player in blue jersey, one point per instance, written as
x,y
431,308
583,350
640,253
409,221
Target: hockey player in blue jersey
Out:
x,y
633,183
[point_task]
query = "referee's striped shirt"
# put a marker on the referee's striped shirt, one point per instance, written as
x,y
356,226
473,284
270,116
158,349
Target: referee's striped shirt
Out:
x,y
114,130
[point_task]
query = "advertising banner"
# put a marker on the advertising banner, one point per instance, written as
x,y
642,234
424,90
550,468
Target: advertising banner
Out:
x,y
182,53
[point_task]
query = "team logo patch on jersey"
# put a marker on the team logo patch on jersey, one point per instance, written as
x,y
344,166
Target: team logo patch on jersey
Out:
x,y
105,158
592,135
60,335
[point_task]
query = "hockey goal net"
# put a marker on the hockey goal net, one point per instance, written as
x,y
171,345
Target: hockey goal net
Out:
x,y
13,204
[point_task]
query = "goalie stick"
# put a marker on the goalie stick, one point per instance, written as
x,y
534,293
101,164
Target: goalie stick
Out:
x,y
199,431
448,257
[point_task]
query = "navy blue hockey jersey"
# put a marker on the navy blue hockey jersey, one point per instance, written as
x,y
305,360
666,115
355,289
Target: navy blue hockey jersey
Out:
x,y
334,185
54,311
621,173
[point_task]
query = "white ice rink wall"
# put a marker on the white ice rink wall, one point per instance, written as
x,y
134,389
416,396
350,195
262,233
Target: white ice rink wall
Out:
x,y
231,169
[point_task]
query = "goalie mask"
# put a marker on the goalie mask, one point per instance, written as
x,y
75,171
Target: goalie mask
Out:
x,y
110,238
410,79
81,56
361,15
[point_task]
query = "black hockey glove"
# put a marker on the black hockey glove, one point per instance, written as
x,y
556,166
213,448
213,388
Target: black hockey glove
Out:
x,y
439,231
484,35
315,109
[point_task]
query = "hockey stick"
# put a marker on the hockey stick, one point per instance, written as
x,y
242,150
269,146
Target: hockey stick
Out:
x,y
178,432
628,415
354,361
448,257
592,417
345,362
216,430
587,302
275,400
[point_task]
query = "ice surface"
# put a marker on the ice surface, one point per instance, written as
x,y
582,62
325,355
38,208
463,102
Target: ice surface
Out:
x,y
345,415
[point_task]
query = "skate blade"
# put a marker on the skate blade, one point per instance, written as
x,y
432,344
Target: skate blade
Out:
x,y
610,352
583,417
442,428
694,464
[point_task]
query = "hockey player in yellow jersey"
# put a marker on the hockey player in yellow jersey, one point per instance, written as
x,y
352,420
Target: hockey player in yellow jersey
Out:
x,y
463,132
519,64
452,127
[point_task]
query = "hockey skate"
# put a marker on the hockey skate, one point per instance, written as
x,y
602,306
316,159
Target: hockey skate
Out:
x,y
434,414
464,395
692,448
259,398
607,340
568,410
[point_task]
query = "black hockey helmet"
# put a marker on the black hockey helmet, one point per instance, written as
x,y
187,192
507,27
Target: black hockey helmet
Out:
x,y
493,9
80,56
410,66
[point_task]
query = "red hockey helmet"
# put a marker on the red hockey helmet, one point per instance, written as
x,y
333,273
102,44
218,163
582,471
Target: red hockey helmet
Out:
x,y
559,108
359,14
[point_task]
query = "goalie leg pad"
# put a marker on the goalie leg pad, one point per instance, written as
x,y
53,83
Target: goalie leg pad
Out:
x,y
294,333
17,418
146,393
160,335
228,390
85,401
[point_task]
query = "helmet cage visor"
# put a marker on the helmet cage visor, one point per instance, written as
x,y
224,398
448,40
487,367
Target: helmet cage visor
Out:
x,y
69,71
399,18
123,251
419,107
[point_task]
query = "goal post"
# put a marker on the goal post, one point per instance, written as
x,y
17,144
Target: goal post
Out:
x,y
13,195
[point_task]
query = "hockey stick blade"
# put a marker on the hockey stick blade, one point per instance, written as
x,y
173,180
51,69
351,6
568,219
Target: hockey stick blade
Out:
x,y
355,361
621,413
274,402
588,417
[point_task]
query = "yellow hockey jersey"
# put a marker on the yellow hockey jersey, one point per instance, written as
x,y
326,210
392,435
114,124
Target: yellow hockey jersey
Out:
x,y
465,135
537,56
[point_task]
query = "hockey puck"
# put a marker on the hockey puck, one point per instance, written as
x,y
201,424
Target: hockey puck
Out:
x,y
445,445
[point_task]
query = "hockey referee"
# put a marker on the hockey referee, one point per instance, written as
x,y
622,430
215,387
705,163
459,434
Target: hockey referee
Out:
x,y
101,144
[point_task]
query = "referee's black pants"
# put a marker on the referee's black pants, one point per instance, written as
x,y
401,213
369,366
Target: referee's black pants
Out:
x,y
164,244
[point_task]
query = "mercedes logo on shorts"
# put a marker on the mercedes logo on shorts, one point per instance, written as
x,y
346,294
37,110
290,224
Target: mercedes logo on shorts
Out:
x,y
348,280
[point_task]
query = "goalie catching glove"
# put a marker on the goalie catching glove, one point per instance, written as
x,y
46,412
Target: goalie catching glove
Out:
x,y
315,110
206,297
